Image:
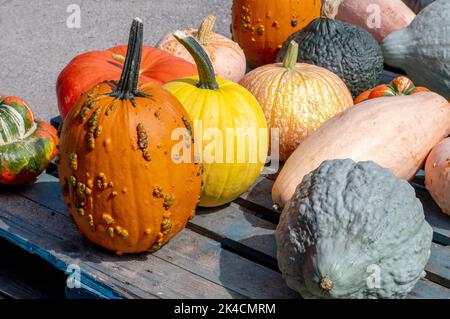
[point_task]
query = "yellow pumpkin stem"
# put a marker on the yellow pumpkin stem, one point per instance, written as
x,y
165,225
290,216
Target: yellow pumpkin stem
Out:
x,y
207,76
205,29
330,8
290,59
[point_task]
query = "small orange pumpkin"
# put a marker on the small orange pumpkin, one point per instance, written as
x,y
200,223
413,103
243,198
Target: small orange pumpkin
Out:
x,y
124,188
261,27
399,86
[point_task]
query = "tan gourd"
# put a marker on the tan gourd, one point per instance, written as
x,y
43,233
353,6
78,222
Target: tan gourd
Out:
x,y
396,132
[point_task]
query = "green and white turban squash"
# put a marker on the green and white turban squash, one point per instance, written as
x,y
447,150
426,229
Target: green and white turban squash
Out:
x,y
353,230
26,145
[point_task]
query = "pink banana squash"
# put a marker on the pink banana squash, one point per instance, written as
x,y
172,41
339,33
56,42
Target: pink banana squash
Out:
x,y
395,132
379,17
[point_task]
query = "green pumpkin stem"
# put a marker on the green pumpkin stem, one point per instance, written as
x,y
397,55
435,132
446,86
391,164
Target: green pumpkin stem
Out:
x,y
127,89
290,59
205,29
205,68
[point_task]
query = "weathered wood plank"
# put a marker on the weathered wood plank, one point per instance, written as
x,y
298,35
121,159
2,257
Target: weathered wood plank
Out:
x,y
252,239
257,235
242,230
438,268
435,217
238,278
426,289
83,292
206,258
53,237
257,199
25,276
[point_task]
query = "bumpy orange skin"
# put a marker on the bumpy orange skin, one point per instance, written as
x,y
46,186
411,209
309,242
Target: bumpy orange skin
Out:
x,y
297,101
129,195
260,27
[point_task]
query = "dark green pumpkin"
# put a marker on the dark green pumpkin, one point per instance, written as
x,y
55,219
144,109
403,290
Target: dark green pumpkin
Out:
x,y
26,145
345,49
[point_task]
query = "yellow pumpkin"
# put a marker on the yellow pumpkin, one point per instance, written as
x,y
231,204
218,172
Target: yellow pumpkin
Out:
x,y
223,112
296,98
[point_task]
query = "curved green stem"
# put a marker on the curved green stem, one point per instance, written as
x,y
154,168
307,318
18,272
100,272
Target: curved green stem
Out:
x,y
290,59
128,85
205,68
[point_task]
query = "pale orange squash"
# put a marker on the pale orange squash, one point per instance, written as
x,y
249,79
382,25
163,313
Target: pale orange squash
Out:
x,y
227,57
395,132
437,175
296,98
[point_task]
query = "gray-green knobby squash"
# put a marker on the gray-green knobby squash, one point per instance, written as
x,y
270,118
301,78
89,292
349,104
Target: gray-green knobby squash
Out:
x,y
423,48
353,230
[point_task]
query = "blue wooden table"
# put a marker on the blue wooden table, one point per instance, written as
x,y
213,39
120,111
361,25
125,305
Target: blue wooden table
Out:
x,y
224,253
228,252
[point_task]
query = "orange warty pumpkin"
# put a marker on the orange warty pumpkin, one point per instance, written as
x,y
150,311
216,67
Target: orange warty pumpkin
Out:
x,y
260,27
125,186
399,86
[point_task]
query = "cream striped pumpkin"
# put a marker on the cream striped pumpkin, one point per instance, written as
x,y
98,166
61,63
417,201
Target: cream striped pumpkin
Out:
x,y
296,98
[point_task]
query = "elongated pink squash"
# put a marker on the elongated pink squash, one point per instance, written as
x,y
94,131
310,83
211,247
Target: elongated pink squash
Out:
x,y
437,175
379,17
396,132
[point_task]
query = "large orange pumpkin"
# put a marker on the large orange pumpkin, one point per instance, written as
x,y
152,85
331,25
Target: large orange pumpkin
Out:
x,y
124,183
91,68
260,27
